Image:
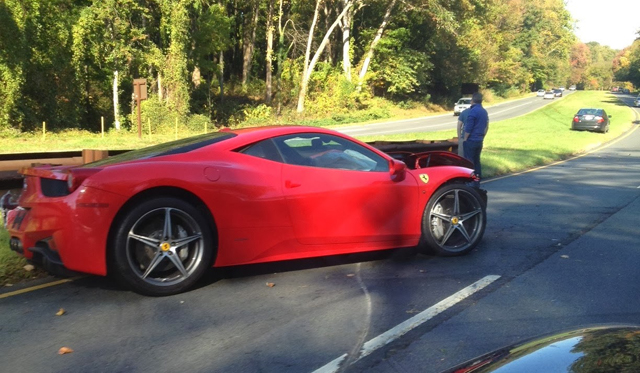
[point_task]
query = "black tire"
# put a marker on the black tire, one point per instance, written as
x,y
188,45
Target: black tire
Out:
x,y
453,221
155,258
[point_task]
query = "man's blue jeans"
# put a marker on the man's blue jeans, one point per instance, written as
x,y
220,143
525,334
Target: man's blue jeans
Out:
x,y
472,150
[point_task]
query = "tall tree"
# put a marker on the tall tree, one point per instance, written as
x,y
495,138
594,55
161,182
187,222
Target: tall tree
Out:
x,y
580,59
376,39
249,28
210,38
269,57
345,25
176,72
309,65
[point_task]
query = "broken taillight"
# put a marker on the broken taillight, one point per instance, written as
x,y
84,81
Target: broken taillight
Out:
x,y
76,176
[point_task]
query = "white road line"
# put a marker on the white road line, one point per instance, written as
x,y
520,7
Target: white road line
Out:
x,y
406,326
513,107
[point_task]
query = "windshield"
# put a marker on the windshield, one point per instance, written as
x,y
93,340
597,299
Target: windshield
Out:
x,y
174,147
464,101
590,112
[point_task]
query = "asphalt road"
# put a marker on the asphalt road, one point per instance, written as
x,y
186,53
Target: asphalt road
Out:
x,y
560,251
448,121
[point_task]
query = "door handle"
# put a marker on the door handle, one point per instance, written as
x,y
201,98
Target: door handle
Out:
x,y
289,184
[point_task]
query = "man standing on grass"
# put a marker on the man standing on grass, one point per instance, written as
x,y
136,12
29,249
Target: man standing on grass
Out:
x,y
476,126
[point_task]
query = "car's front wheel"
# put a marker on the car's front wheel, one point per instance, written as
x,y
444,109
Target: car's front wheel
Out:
x,y
161,247
453,221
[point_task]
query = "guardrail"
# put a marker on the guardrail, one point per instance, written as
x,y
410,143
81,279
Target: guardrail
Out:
x,y
11,163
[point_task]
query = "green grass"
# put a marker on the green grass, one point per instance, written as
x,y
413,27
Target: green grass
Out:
x,y
78,140
517,144
11,265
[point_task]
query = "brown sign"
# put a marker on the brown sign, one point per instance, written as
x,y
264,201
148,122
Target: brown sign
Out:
x,y
140,93
140,89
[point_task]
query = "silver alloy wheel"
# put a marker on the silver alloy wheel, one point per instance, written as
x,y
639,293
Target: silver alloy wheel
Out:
x,y
456,220
165,246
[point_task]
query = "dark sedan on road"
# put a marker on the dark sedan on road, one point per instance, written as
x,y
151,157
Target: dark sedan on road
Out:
x,y
591,120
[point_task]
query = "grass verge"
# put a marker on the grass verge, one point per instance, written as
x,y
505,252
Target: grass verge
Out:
x,y
513,145
12,266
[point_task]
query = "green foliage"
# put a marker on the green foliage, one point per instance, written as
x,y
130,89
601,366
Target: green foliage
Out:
x,y
199,123
38,82
330,92
158,118
398,69
599,74
627,64
212,34
58,57
258,113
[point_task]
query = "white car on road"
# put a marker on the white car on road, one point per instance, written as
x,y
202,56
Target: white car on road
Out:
x,y
636,102
461,105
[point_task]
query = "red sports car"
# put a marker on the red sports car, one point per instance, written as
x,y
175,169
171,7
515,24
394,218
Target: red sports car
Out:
x,y
158,217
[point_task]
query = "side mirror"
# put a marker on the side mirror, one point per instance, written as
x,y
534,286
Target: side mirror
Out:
x,y
610,116
397,170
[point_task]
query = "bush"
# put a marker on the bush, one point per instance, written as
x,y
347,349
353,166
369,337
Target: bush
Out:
x,y
199,123
511,93
260,112
488,96
160,120
10,133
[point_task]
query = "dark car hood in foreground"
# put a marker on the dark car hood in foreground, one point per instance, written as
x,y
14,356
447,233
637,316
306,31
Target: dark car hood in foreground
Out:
x,y
594,349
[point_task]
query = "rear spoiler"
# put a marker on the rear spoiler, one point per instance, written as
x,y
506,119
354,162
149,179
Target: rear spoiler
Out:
x,y
45,172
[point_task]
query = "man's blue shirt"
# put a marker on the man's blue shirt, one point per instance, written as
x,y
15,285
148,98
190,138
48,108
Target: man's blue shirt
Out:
x,y
463,116
476,123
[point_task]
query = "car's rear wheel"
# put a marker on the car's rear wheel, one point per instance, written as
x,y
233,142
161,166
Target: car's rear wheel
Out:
x,y
453,221
162,247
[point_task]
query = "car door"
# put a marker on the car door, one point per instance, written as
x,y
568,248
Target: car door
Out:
x,y
338,191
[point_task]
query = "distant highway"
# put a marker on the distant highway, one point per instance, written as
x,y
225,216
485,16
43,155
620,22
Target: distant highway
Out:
x,y
447,121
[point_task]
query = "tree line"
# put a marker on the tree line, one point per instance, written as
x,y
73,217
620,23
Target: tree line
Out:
x,y
626,64
70,62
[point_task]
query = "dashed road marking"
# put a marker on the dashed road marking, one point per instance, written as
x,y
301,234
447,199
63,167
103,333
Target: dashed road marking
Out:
x,y
410,324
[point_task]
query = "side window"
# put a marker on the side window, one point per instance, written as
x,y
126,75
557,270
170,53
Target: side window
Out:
x,y
265,149
328,151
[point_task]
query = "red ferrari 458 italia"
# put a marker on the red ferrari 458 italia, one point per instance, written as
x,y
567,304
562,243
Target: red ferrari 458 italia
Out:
x,y
158,217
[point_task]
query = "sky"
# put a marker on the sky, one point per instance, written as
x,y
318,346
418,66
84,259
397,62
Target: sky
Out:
x,y
608,22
